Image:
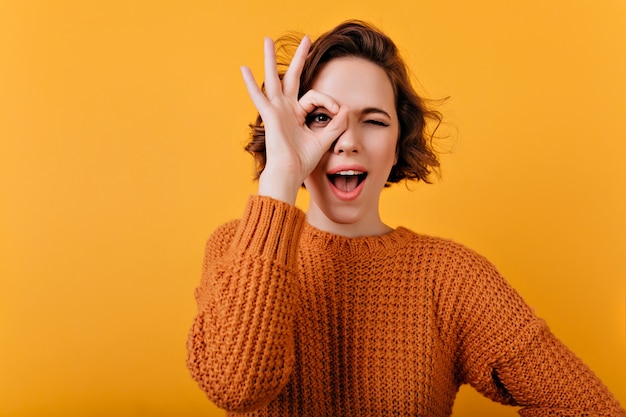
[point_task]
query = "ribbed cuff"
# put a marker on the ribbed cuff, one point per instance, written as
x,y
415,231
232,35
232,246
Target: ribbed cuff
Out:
x,y
271,228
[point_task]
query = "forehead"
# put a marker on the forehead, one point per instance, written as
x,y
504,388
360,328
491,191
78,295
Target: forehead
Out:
x,y
356,82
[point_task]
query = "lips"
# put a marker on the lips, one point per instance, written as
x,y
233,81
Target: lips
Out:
x,y
347,182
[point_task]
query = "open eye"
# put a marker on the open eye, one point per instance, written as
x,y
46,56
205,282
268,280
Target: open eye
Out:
x,y
318,119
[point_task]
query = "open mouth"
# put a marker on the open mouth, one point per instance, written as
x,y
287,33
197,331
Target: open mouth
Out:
x,y
347,181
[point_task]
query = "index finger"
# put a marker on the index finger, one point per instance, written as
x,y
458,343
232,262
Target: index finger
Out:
x,y
291,80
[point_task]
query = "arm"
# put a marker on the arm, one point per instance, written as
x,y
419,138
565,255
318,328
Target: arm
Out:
x,y
508,354
293,150
240,347
547,379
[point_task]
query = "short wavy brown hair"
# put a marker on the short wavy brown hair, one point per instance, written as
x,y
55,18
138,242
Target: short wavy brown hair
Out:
x,y
416,156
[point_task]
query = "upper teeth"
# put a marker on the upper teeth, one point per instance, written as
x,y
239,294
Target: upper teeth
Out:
x,y
349,172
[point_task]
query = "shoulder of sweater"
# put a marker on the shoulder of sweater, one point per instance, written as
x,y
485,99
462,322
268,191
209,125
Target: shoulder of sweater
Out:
x,y
224,230
228,227
221,237
452,260
447,246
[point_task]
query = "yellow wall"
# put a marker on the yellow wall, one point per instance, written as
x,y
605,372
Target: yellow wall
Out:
x,y
121,124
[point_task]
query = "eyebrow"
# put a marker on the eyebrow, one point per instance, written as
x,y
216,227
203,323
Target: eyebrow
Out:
x,y
370,110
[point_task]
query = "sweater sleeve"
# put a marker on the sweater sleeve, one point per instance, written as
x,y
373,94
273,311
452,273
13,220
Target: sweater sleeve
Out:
x,y
241,346
508,354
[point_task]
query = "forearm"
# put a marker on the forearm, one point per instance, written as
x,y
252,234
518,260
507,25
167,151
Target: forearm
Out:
x,y
279,186
507,353
547,379
241,343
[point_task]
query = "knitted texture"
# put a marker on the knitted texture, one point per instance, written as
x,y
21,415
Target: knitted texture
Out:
x,y
293,321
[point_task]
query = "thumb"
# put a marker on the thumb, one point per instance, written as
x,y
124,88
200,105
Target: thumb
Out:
x,y
335,128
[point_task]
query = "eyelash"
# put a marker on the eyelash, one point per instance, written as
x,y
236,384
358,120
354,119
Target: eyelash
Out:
x,y
311,118
377,123
314,117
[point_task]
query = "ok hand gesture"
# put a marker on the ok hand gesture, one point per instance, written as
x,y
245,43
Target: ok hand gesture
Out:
x,y
293,150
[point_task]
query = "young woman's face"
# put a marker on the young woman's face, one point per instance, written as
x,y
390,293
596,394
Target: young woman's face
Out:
x,y
345,186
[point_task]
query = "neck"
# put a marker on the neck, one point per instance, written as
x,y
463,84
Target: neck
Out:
x,y
369,225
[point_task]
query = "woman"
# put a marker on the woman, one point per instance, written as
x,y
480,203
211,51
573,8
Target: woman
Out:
x,y
336,313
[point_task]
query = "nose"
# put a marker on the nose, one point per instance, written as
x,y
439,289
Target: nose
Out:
x,y
347,142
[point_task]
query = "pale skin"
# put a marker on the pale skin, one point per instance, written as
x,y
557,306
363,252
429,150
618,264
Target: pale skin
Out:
x,y
346,123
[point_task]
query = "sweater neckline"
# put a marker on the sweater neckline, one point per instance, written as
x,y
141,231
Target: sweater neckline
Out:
x,y
364,246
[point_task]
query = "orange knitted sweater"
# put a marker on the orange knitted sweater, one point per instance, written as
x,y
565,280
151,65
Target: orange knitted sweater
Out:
x,y
293,321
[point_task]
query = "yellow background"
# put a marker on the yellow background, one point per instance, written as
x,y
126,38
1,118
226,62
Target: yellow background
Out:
x,y
121,126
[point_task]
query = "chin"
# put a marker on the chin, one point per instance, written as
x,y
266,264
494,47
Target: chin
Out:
x,y
344,216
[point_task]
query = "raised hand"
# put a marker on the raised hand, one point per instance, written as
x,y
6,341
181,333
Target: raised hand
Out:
x,y
293,150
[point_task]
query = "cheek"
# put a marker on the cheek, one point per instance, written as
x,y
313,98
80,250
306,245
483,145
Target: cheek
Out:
x,y
389,149
316,176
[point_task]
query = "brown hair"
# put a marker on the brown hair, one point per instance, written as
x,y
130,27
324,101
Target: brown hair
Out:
x,y
353,38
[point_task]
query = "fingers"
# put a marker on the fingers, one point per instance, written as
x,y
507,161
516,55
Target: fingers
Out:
x,y
312,100
273,87
255,93
291,80
335,128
